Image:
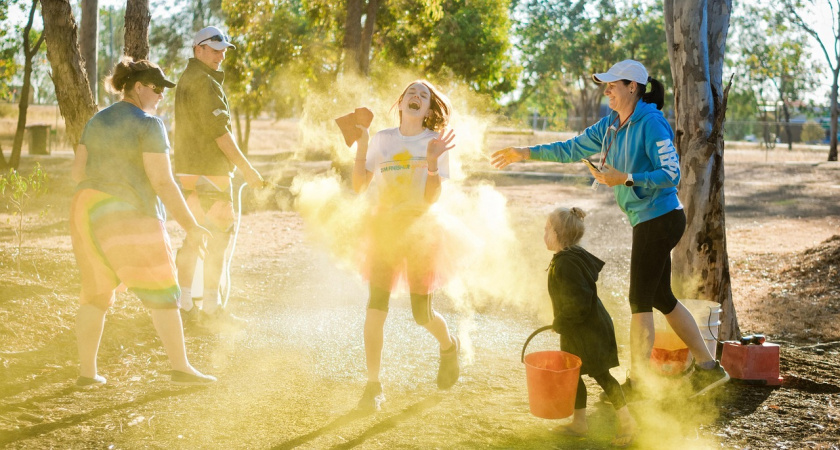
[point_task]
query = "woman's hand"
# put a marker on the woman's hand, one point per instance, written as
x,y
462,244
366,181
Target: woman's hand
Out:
x,y
254,179
197,237
440,146
609,176
506,156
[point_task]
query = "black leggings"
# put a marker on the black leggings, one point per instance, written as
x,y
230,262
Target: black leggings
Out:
x,y
608,384
650,262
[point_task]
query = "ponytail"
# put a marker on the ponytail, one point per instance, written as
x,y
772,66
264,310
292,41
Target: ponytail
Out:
x,y
656,94
122,78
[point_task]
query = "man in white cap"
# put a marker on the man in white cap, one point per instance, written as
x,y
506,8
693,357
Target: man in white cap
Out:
x,y
206,155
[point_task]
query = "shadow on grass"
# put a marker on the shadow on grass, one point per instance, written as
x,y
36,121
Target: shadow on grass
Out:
x,y
10,437
392,421
378,428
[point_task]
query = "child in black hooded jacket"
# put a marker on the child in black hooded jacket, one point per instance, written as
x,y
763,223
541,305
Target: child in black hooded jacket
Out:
x,y
580,318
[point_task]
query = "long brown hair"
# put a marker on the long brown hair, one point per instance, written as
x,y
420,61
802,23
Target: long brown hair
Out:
x,y
439,107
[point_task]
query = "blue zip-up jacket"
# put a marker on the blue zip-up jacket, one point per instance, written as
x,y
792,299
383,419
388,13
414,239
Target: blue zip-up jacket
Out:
x,y
642,147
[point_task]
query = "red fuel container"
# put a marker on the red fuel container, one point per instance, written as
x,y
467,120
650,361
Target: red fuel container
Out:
x,y
758,364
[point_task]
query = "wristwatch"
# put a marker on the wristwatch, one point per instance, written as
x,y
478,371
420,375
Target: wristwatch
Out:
x,y
629,181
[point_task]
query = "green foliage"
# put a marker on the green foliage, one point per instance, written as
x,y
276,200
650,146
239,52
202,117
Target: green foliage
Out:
x,y
564,43
812,132
465,39
9,46
641,36
16,191
741,113
269,38
772,55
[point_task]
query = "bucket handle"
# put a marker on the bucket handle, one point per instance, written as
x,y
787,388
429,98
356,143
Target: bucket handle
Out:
x,y
539,330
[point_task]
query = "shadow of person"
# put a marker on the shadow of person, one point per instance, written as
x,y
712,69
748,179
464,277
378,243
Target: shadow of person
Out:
x,y
13,436
379,427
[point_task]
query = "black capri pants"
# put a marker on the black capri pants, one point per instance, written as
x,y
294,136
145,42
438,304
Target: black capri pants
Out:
x,y
650,262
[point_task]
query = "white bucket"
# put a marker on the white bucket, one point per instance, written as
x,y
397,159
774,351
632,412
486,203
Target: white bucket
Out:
x,y
709,334
707,316
705,313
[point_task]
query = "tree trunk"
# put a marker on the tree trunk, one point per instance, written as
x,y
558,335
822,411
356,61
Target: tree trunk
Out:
x,y
788,129
71,85
832,151
696,34
367,37
88,40
137,19
28,53
352,36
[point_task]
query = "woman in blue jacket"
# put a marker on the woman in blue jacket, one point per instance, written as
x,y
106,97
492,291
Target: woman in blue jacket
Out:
x,y
638,160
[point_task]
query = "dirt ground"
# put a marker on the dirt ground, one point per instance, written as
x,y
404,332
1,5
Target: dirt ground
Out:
x,y
292,377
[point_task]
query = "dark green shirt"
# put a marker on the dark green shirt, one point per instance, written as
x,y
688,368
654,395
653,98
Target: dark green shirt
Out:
x,y
116,139
202,114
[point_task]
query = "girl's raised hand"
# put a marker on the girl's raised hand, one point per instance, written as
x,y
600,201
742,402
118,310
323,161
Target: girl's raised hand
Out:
x,y
440,145
502,158
365,136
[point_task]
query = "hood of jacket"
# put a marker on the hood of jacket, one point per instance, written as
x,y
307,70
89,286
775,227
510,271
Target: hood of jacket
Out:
x,y
587,261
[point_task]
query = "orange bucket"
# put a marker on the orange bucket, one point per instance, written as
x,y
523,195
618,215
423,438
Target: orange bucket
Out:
x,y
552,381
669,355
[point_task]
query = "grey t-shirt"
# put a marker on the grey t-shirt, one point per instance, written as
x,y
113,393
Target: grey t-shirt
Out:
x,y
116,139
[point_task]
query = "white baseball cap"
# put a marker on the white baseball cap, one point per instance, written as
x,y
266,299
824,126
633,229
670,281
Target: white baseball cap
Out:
x,y
624,70
213,37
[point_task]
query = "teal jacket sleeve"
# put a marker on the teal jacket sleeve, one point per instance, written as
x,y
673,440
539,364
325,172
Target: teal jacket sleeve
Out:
x,y
584,145
660,150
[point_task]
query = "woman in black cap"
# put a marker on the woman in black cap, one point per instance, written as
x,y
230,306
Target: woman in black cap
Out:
x,y
117,218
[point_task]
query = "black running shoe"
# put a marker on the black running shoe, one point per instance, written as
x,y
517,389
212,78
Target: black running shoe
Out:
x,y
449,369
704,380
372,397
631,394
188,379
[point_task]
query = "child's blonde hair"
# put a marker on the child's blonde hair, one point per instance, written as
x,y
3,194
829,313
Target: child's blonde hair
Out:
x,y
439,107
568,225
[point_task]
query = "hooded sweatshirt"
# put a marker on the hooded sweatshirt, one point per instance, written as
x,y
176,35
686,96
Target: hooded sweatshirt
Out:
x,y
580,318
643,147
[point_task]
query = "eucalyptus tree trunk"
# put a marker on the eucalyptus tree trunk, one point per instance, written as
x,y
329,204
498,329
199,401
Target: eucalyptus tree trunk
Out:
x,y
137,19
696,34
72,89
835,112
29,51
88,39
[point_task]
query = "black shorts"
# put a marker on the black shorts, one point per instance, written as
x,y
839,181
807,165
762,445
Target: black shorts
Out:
x,y
650,262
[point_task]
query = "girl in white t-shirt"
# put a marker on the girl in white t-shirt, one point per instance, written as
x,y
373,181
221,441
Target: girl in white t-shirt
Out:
x,y
404,167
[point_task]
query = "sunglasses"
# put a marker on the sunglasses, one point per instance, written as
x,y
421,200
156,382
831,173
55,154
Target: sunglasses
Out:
x,y
157,89
216,38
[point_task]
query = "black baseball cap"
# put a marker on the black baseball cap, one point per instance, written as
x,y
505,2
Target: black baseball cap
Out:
x,y
152,75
